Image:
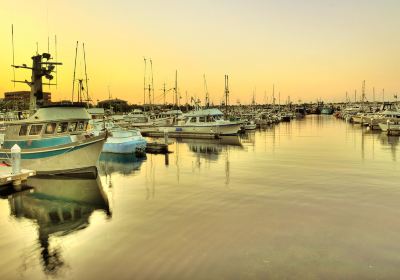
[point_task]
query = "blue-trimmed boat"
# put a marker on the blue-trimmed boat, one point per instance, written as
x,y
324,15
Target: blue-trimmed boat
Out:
x,y
55,140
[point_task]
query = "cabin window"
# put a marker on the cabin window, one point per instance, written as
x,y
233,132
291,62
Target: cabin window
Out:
x,y
72,127
50,128
193,119
81,125
210,118
36,129
23,130
62,127
202,119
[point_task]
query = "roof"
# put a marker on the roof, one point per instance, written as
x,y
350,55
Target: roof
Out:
x,y
204,112
59,113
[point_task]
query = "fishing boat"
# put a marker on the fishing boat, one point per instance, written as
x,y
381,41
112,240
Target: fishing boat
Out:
x,y
54,139
203,122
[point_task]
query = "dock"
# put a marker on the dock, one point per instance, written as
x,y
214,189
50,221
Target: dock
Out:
x,y
157,148
178,134
7,177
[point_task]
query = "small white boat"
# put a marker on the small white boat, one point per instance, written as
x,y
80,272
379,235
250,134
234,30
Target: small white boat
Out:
x,y
125,142
249,125
119,140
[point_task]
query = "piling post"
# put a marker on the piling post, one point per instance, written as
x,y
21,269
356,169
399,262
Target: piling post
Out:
x,y
16,159
166,136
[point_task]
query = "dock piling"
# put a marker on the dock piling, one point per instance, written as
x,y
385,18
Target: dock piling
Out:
x,y
16,159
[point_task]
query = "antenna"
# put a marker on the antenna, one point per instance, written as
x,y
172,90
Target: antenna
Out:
x,y
55,46
73,80
164,92
86,77
13,52
144,82
207,103
152,84
176,88
226,90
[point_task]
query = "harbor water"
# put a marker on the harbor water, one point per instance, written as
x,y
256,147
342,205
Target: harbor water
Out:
x,y
316,198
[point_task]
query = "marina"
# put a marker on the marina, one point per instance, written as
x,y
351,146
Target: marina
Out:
x,y
199,140
238,206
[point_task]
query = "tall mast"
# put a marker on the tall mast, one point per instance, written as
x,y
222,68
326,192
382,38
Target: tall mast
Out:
x,y
362,95
55,50
86,77
152,84
144,82
273,95
207,101
176,88
226,91
164,92
13,55
73,79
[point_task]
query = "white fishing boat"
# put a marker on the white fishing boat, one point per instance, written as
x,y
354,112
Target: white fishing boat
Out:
x,y
54,140
204,121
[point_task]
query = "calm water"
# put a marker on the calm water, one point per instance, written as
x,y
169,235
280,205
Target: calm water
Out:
x,y
311,199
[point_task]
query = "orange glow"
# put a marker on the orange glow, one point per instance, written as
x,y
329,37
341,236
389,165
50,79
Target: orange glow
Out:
x,y
309,49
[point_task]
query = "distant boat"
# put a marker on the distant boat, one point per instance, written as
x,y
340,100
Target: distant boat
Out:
x,y
327,111
204,121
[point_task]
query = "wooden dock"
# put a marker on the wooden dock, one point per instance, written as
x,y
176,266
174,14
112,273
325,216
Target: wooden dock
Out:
x,y
8,178
177,134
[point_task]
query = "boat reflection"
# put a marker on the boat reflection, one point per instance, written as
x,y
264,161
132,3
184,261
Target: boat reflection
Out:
x,y
211,148
59,206
124,164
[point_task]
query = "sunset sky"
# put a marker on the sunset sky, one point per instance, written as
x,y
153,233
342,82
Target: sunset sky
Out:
x,y
308,48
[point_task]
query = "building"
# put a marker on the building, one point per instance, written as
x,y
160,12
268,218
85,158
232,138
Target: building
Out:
x,y
21,98
116,104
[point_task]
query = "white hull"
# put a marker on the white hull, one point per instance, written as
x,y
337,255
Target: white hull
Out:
x,y
219,129
384,127
81,160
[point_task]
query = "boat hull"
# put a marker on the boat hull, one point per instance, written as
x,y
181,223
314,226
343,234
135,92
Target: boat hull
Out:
x,y
73,158
129,146
218,129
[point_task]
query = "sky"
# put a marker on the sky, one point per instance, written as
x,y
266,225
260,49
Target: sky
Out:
x,y
308,49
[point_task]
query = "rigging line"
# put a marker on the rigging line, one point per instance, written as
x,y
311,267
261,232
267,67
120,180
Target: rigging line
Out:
x,y
73,79
55,46
86,77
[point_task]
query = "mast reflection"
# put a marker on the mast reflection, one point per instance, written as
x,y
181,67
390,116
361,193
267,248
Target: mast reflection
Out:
x,y
59,206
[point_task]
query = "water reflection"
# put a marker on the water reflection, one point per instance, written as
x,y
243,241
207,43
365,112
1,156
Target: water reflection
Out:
x,y
124,164
59,206
211,149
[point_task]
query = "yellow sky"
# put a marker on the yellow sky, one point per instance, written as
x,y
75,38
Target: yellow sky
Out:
x,y
309,48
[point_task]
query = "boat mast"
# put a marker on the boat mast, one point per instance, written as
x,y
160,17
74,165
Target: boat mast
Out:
x,y
207,101
226,91
176,88
73,79
86,77
144,83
